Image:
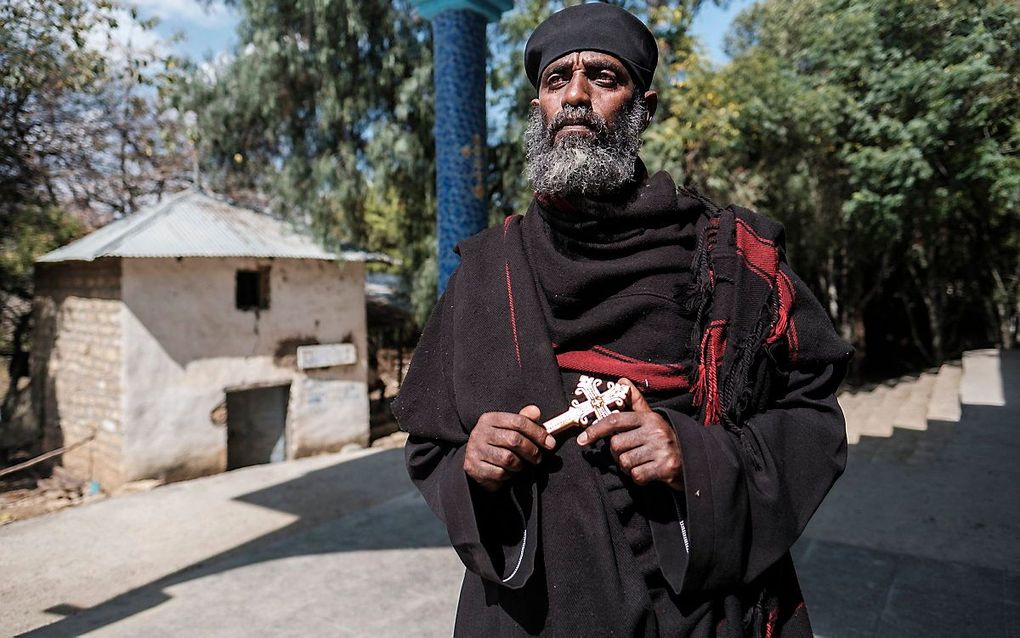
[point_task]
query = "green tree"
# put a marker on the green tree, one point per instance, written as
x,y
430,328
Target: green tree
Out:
x,y
325,108
79,138
884,134
45,60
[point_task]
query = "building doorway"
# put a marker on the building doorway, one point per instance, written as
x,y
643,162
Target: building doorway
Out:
x,y
256,426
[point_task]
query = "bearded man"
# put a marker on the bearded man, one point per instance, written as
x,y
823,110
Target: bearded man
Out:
x,y
675,515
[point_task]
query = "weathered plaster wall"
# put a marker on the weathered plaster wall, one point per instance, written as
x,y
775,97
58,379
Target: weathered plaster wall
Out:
x,y
186,343
77,364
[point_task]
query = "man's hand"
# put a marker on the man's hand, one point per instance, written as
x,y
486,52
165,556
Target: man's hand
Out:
x,y
501,443
642,442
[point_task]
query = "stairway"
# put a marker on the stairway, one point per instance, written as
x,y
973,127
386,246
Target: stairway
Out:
x,y
918,536
904,418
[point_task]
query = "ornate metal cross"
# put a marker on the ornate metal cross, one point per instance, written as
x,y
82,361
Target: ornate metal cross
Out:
x,y
591,402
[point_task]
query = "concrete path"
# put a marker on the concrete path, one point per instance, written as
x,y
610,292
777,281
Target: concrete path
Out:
x,y
919,538
326,546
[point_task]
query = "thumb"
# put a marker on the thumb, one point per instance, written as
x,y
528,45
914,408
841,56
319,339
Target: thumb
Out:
x,y
531,412
637,400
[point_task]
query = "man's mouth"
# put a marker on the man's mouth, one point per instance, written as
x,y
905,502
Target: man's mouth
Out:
x,y
574,129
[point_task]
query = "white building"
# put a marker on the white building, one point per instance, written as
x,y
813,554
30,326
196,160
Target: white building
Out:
x,y
195,337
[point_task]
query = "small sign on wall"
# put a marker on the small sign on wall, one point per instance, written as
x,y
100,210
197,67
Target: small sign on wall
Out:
x,y
326,355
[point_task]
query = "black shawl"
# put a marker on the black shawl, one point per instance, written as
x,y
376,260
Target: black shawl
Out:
x,y
544,555
614,278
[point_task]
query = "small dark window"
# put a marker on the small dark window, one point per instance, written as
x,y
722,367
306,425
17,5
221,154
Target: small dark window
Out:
x,y
252,292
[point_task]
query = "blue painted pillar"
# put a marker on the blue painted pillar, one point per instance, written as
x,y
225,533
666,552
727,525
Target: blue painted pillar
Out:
x,y
458,39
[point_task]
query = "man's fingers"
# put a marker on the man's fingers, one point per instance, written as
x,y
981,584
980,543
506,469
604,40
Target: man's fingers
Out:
x,y
646,473
620,443
530,412
612,424
501,443
527,427
631,459
637,400
502,458
489,472
487,475
645,469
518,443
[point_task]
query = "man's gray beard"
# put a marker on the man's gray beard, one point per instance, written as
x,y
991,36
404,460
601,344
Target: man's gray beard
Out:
x,y
586,165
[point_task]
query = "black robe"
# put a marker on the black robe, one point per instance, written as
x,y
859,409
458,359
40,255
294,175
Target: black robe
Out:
x,y
560,550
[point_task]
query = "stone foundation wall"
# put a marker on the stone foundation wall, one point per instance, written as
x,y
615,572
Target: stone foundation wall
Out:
x,y
77,365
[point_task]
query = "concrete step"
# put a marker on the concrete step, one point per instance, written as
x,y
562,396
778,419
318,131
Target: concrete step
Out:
x,y
912,413
944,403
912,447
876,410
981,381
853,403
892,421
850,403
878,417
910,401
855,414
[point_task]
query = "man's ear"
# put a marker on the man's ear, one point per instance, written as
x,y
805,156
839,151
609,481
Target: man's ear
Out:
x,y
534,102
651,102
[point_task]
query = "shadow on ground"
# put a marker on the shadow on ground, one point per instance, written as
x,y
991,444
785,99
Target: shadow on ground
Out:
x,y
370,500
919,537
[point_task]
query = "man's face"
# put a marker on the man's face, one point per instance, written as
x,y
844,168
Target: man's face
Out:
x,y
585,79
585,126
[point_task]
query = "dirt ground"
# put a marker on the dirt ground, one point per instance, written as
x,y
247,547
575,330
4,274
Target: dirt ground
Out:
x,y
35,492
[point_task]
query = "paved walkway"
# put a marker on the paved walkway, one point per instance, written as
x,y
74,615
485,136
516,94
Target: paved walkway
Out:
x,y
326,546
919,538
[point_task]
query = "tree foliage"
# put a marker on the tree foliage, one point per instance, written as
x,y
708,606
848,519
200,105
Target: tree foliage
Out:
x,y
884,134
81,140
325,108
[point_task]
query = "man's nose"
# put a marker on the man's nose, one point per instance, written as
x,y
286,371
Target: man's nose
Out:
x,y
578,91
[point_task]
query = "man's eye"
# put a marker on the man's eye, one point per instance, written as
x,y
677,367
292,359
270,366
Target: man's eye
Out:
x,y
607,79
554,80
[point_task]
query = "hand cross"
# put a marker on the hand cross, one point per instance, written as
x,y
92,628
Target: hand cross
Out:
x,y
596,403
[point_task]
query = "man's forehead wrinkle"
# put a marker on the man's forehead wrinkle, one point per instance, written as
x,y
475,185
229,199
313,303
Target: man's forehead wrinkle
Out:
x,y
565,63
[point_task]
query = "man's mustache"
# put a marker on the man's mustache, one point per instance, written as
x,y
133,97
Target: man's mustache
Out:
x,y
576,116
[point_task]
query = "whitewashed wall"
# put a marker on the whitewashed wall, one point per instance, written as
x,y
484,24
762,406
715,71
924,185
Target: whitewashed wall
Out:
x,y
185,343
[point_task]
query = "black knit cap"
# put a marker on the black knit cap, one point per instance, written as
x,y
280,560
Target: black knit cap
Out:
x,y
595,26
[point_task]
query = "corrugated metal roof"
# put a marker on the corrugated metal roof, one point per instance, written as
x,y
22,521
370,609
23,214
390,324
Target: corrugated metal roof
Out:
x,y
194,224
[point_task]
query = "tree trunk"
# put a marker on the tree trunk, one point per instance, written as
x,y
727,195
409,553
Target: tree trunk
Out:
x,y
915,335
929,290
1007,311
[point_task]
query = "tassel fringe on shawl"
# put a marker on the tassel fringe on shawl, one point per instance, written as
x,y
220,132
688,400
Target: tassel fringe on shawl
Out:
x,y
744,298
